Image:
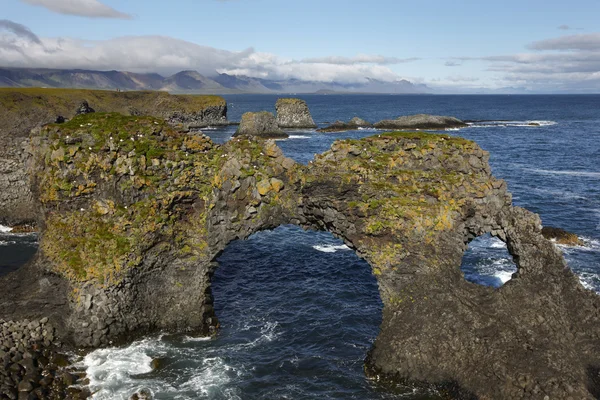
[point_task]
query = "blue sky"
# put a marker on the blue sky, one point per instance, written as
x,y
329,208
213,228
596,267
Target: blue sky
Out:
x,y
455,46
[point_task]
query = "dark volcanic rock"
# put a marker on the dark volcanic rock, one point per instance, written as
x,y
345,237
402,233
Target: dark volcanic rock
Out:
x,y
84,108
561,236
262,124
133,251
25,348
293,114
421,121
340,126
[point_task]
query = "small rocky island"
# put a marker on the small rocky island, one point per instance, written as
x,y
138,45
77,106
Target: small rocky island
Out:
x,y
421,121
294,114
341,126
262,124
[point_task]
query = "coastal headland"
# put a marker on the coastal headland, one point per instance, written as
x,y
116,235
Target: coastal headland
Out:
x,y
134,210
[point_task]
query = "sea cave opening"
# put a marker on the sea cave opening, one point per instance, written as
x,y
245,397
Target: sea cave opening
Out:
x,y
487,262
298,312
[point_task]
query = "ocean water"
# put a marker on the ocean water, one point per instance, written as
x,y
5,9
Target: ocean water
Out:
x,y
299,310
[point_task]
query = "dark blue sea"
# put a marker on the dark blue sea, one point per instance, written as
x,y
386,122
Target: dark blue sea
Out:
x,y
299,310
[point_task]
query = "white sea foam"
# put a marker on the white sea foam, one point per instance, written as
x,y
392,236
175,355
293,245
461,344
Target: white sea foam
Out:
x,y
197,339
504,124
330,248
504,276
209,379
5,229
299,137
111,370
496,243
571,173
7,242
116,373
589,244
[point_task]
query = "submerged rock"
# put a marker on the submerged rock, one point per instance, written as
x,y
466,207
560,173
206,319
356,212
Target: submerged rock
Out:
x,y
421,121
340,126
293,113
262,124
561,236
407,202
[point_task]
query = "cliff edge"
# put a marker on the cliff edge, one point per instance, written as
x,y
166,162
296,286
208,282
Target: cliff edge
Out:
x,y
22,110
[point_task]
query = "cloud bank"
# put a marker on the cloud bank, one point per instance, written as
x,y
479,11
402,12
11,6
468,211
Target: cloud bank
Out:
x,y
19,47
82,8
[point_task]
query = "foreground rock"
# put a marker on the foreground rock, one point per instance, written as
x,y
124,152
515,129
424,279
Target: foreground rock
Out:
x,y
21,110
261,124
84,108
341,126
421,121
561,236
132,230
294,114
31,366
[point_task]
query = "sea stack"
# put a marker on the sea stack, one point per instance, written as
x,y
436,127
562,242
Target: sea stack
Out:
x,y
294,114
262,124
421,121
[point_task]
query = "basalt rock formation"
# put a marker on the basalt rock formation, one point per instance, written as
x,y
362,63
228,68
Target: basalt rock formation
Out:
x,y
262,124
135,213
22,110
421,121
293,114
341,126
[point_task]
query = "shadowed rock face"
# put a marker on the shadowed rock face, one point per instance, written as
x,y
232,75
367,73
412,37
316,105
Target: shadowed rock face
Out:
x,y
421,121
131,229
293,113
262,124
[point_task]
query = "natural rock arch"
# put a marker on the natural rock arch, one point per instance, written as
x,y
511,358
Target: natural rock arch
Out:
x,y
132,225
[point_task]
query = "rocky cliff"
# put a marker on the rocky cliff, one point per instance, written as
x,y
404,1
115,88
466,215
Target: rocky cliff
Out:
x,y
21,110
134,214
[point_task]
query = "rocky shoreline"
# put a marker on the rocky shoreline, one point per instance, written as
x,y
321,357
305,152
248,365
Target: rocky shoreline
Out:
x,y
34,365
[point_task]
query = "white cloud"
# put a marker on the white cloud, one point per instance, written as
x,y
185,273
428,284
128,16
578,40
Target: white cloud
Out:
x,y
82,8
359,59
167,55
451,63
585,42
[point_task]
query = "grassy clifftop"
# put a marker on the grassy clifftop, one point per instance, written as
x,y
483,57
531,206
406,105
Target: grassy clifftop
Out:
x,y
24,108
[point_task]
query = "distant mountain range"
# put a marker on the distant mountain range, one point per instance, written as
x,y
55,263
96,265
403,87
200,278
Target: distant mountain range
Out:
x,y
191,82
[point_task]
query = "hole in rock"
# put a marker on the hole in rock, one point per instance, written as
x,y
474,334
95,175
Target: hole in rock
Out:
x,y
487,262
298,312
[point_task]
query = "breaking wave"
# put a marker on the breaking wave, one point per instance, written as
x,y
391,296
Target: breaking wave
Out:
x,y
586,174
330,248
506,124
